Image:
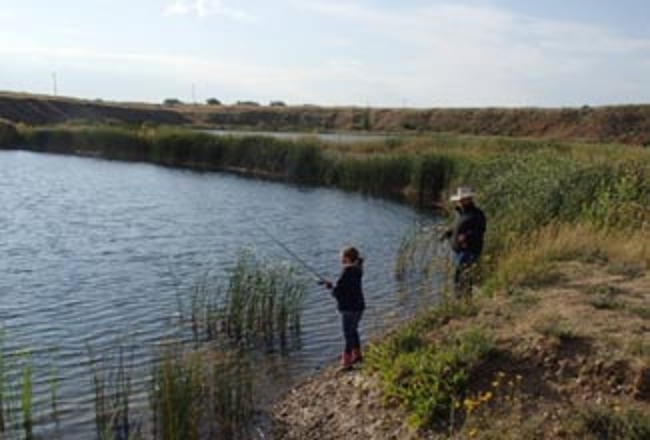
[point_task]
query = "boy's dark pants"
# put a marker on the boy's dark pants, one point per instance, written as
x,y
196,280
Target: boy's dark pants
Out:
x,y
351,330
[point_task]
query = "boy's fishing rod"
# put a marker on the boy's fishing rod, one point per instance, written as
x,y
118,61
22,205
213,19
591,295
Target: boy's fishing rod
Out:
x,y
285,248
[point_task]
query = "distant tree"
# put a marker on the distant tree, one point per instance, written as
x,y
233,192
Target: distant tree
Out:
x,y
277,104
172,102
212,101
248,103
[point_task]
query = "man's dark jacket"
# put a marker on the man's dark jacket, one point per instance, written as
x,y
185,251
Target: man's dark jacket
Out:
x,y
470,222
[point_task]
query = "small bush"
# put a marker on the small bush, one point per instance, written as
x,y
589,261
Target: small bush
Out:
x,y
554,326
172,102
427,379
9,136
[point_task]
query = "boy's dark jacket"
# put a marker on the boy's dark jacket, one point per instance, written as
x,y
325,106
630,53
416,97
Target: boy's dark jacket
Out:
x,y
349,291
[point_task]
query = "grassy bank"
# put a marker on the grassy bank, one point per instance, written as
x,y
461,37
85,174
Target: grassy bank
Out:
x,y
626,123
524,184
548,204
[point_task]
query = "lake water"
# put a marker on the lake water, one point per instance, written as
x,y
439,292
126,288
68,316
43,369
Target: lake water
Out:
x,y
95,255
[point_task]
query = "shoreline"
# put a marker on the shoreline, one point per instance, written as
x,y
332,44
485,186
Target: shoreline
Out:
x,y
568,225
536,382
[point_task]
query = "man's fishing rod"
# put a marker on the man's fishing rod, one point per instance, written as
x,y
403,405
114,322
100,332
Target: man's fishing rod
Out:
x,y
302,262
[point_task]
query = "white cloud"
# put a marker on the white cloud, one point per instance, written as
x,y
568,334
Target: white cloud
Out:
x,y
178,7
454,54
438,55
206,8
6,14
196,68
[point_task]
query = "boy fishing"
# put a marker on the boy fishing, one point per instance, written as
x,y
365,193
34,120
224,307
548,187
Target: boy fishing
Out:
x,y
348,292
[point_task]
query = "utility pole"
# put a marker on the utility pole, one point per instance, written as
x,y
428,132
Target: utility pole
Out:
x,y
193,93
54,84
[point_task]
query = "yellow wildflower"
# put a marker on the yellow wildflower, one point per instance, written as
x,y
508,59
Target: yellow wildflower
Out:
x,y
486,397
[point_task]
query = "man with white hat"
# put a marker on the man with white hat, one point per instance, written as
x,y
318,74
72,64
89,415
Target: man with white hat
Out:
x,y
466,238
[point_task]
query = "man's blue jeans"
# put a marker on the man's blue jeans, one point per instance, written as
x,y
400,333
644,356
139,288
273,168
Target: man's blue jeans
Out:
x,y
464,261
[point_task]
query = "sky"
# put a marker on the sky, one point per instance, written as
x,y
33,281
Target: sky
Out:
x,y
399,53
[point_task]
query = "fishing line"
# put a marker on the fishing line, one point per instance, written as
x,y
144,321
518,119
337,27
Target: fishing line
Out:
x,y
292,254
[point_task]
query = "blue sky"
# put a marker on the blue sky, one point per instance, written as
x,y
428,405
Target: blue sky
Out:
x,y
332,52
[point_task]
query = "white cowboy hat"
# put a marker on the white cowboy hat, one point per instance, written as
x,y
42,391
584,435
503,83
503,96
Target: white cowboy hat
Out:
x,y
463,192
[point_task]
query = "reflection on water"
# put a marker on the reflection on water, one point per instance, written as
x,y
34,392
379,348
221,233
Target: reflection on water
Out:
x,y
94,255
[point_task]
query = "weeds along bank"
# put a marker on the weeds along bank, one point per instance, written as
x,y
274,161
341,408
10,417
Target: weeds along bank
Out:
x,y
545,201
525,185
200,381
533,191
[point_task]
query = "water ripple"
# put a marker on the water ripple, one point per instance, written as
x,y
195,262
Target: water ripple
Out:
x,y
96,253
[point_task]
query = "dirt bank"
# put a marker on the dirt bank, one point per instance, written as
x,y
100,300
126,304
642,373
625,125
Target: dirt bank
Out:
x,y
571,361
626,124
45,110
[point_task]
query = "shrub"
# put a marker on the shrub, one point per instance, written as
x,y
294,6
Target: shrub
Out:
x,y
248,103
171,102
428,379
8,135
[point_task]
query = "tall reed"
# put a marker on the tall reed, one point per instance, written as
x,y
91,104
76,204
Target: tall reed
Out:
x,y
260,301
3,385
17,416
112,382
26,397
201,394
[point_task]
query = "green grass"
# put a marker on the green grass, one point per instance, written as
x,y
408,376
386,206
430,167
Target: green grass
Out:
x,y
199,393
259,301
112,376
27,397
16,394
424,377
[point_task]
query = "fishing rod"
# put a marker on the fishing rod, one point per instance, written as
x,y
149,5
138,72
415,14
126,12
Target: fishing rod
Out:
x,y
291,253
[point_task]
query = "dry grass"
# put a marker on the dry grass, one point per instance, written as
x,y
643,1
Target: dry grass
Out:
x,y
566,369
626,124
530,262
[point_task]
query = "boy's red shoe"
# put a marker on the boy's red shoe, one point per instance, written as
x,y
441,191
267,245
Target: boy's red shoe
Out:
x,y
356,356
346,360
